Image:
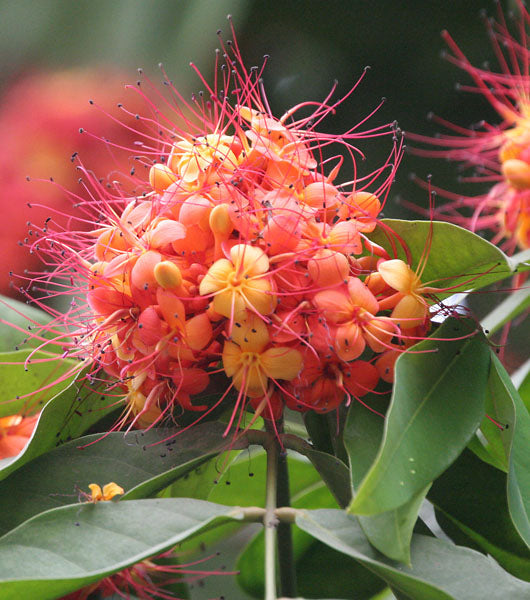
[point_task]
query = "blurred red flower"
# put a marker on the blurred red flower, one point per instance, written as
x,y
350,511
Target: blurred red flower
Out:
x,y
40,118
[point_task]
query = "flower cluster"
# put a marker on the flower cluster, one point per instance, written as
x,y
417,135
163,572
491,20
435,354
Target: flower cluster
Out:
x,y
500,153
243,259
154,577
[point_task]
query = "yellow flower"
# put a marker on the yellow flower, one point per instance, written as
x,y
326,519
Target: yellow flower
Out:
x,y
250,365
240,283
109,491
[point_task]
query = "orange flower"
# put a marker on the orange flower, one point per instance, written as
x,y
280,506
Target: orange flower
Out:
x,y
15,432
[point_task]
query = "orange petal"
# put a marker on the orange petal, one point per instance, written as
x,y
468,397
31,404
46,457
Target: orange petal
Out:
x,y
328,267
349,341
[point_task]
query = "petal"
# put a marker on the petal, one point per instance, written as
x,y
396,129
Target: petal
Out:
x,y
96,492
251,335
349,341
345,237
231,358
198,331
398,275
249,260
112,489
165,232
328,267
230,303
258,296
361,296
217,276
379,332
410,311
255,382
360,377
281,363
142,274
171,307
334,304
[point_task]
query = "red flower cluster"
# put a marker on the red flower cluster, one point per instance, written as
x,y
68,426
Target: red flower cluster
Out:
x,y
148,579
242,258
500,153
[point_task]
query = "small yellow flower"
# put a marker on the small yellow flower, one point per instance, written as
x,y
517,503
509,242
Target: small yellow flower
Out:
x,y
109,491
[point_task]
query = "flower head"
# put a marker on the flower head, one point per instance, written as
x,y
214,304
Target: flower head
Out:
x,y
241,257
499,152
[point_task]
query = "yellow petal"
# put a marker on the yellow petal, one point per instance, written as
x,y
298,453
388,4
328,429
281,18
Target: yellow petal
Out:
x,y
258,295
249,260
216,277
281,363
229,302
251,380
231,358
410,311
96,492
251,335
399,275
112,489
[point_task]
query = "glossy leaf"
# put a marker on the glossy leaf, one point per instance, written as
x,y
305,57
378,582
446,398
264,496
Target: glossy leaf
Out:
x,y
472,496
142,463
521,380
335,474
455,253
96,540
27,387
438,567
68,415
437,404
390,532
510,411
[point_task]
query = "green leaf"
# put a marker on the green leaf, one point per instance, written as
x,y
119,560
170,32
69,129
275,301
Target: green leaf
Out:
x,y
479,512
390,532
510,411
15,317
456,253
514,304
68,415
521,379
440,570
437,404
25,388
70,547
142,463
335,474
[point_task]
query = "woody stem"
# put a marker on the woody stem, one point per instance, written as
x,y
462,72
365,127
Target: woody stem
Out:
x,y
285,537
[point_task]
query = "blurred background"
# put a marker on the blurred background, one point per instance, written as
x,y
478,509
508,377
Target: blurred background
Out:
x,y
56,55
